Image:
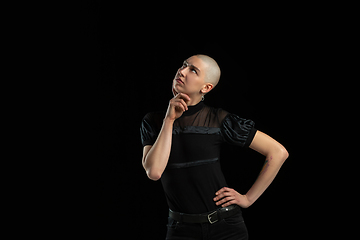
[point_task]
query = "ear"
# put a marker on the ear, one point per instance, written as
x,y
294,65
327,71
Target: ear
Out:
x,y
207,88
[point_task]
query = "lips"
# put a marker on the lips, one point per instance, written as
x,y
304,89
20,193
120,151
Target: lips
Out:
x,y
179,81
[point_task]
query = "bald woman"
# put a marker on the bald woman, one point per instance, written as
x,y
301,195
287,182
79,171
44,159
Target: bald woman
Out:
x,y
182,148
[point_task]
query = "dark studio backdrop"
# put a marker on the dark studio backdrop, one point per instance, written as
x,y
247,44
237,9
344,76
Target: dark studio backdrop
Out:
x,y
265,74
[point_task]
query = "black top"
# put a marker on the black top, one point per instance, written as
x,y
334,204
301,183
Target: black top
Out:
x,y
193,173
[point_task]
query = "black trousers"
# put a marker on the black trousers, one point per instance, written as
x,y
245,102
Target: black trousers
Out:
x,y
232,228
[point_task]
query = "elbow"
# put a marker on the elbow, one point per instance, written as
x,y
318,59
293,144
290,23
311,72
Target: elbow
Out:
x,y
280,153
151,172
153,175
283,153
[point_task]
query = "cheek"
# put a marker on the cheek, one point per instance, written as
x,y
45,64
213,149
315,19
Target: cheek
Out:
x,y
194,82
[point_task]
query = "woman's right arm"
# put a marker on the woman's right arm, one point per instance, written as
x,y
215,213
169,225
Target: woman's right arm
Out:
x,y
155,157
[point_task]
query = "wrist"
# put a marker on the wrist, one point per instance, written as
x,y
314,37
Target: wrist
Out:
x,y
168,120
250,200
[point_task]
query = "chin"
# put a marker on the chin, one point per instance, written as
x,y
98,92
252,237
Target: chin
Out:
x,y
177,90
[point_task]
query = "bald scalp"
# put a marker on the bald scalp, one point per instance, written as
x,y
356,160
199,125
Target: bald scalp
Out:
x,y
212,70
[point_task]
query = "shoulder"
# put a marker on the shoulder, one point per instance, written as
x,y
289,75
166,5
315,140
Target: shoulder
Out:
x,y
238,131
230,120
224,115
211,116
154,115
154,118
220,113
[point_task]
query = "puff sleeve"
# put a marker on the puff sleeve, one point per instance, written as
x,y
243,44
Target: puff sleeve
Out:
x,y
148,130
238,131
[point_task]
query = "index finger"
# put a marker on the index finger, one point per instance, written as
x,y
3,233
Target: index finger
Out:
x,y
184,96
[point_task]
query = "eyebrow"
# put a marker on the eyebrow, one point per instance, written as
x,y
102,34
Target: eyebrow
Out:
x,y
188,64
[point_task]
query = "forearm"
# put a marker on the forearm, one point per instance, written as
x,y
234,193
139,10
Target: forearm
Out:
x,y
273,163
156,159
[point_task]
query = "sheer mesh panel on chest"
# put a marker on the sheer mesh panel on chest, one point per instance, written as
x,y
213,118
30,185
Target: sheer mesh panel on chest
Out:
x,y
206,117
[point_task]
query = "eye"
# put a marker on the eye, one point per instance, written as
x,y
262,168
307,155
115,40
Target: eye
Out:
x,y
184,66
193,70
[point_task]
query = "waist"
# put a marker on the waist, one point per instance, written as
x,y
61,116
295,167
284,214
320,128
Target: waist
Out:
x,y
191,190
209,217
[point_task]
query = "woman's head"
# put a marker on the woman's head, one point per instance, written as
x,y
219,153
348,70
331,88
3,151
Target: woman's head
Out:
x,y
197,76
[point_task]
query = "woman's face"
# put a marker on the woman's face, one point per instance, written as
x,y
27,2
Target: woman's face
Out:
x,y
190,78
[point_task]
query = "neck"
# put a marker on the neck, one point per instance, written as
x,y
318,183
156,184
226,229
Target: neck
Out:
x,y
194,100
192,109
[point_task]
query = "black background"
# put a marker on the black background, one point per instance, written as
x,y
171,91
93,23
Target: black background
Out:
x,y
269,70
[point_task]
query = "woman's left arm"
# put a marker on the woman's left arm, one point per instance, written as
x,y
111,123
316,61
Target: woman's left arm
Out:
x,y
275,154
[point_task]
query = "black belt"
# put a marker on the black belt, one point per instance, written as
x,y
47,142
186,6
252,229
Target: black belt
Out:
x,y
210,217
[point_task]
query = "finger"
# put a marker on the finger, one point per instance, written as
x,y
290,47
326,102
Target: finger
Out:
x,y
222,195
221,201
222,190
181,96
229,203
178,102
185,96
182,102
177,99
179,106
224,200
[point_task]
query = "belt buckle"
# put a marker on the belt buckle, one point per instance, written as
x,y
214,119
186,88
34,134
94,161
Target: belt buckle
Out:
x,y
209,217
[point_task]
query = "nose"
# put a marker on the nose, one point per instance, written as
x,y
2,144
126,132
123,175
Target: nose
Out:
x,y
178,73
181,72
